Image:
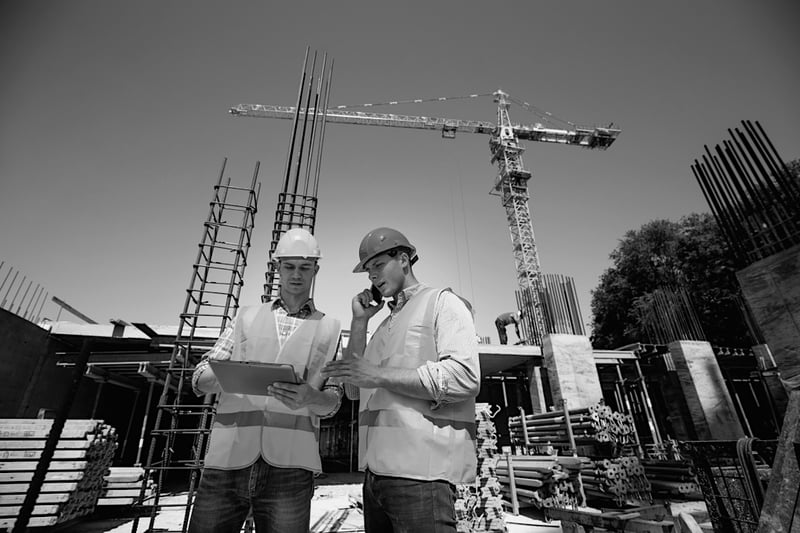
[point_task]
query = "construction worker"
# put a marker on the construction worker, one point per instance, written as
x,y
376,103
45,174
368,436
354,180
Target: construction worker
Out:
x,y
506,319
417,380
264,450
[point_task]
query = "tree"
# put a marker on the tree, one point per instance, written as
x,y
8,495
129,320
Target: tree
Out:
x,y
692,254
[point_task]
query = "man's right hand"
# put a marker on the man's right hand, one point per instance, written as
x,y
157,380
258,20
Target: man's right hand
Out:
x,y
362,306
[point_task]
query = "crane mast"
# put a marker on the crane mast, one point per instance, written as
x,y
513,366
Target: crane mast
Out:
x,y
511,182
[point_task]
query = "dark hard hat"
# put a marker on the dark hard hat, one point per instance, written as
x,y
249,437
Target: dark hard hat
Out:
x,y
379,241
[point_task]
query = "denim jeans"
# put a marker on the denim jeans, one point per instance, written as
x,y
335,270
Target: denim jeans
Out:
x,y
280,499
402,505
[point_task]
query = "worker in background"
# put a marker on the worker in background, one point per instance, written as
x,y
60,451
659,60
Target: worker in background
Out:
x,y
264,450
504,320
417,380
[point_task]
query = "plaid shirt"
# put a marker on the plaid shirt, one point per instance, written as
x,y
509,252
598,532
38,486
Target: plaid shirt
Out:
x,y
286,323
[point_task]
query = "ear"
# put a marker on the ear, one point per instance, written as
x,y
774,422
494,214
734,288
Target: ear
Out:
x,y
316,268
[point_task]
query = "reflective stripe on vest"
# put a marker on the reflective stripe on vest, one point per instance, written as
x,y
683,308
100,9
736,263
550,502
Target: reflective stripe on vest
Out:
x,y
403,436
247,426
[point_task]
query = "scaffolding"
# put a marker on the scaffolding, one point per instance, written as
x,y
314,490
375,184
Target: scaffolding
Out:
x,y
178,440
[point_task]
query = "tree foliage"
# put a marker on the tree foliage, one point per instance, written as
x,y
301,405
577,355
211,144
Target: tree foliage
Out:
x,y
692,254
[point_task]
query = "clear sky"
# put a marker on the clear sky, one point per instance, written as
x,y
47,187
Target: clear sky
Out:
x,y
114,124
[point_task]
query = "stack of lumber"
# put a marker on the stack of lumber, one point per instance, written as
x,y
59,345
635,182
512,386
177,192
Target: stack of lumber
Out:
x,y
123,484
479,507
541,481
620,479
74,478
590,425
672,478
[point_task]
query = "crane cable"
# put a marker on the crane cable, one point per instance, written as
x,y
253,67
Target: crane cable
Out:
x,y
545,115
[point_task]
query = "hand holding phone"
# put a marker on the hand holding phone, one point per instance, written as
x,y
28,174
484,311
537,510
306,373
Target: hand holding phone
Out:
x,y
377,297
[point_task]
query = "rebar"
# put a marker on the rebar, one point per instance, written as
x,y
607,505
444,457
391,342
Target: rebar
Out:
x,y
752,193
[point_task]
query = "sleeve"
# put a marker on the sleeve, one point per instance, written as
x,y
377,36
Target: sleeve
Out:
x,y
221,351
455,376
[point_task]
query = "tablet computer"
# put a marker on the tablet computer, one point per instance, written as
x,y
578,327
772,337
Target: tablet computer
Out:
x,y
251,377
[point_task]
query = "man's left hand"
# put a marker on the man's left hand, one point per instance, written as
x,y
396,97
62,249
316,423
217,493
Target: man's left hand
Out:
x,y
355,370
293,396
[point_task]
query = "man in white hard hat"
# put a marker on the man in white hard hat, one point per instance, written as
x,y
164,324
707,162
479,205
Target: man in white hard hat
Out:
x,y
417,380
264,449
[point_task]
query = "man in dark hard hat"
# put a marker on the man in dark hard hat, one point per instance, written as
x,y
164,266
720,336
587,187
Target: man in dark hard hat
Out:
x,y
417,380
264,449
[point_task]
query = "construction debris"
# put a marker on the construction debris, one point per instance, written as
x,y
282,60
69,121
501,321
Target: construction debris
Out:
x,y
74,478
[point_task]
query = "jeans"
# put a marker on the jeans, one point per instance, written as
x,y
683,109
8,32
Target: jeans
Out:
x,y
402,505
280,499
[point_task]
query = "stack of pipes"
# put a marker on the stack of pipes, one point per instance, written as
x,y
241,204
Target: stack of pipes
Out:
x,y
74,477
479,506
541,480
621,479
595,424
122,485
672,478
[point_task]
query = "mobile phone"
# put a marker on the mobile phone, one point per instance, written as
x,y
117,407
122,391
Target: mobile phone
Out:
x,y
377,297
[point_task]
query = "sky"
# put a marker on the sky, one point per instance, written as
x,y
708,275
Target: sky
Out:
x,y
114,125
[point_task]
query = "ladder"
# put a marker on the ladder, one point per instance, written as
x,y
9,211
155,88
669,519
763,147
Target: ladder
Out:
x,y
179,437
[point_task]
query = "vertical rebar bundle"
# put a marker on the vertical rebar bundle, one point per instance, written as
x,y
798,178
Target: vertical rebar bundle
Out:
x,y
29,304
668,315
297,201
752,193
558,303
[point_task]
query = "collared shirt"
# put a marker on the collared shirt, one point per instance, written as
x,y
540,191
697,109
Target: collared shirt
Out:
x,y
456,372
286,323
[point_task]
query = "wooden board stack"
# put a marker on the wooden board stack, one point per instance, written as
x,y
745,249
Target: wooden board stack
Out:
x,y
479,505
122,485
74,478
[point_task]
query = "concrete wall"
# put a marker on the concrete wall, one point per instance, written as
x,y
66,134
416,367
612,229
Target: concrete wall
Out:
x,y
772,290
30,378
710,405
571,370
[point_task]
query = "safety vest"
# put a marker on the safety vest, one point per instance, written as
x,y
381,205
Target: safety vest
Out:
x,y
246,426
402,436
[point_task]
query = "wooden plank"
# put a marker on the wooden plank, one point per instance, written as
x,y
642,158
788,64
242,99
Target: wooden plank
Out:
x,y
17,477
18,499
35,521
122,493
26,433
25,466
22,488
115,501
13,510
47,422
36,454
36,444
123,485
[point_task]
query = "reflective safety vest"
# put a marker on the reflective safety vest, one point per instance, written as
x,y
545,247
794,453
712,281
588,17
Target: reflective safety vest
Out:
x,y
402,436
247,426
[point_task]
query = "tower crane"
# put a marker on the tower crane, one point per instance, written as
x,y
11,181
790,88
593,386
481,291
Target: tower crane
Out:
x,y
511,181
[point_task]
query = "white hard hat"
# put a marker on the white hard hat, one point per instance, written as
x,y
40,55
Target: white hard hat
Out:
x,y
297,242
